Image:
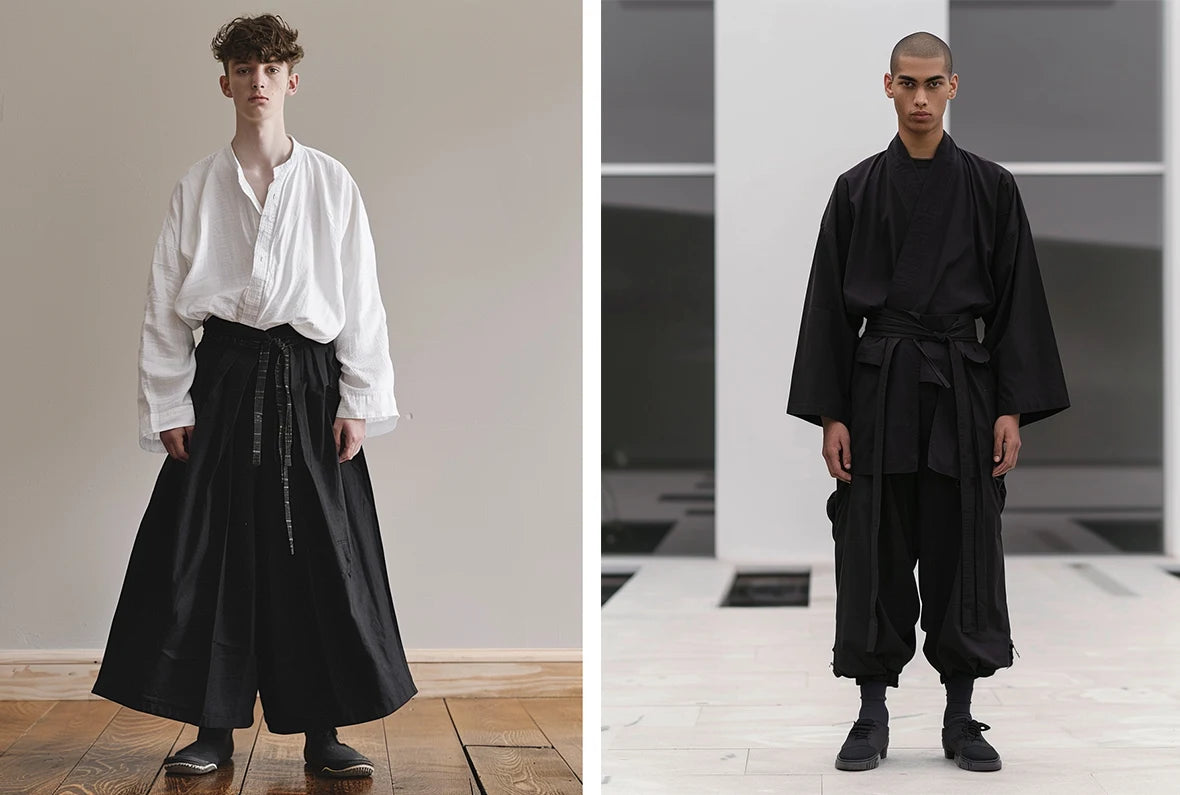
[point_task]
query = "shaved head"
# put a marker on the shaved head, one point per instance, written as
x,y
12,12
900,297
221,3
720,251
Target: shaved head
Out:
x,y
922,45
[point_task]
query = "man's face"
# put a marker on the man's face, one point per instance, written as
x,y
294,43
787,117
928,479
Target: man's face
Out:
x,y
259,89
920,89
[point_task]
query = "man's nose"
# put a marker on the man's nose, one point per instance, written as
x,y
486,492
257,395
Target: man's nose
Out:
x,y
920,98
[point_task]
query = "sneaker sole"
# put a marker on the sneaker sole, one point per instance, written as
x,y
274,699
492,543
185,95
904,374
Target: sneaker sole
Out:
x,y
974,765
861,764
189,768
352,771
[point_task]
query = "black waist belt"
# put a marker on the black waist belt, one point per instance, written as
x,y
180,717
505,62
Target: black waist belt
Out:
x,y
894,326
283,338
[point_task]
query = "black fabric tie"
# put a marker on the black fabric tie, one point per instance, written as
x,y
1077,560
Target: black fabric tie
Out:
x,y
895,325
286,411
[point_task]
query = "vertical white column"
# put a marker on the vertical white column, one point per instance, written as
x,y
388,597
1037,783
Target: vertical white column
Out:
x,y
1171,295
799,99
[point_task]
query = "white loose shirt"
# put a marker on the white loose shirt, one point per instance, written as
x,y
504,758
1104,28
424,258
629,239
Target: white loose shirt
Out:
x,y
305,257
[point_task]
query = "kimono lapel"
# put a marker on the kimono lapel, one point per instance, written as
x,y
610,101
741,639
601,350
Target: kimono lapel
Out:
x,y
931,208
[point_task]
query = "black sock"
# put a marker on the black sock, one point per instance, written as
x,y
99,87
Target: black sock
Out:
x,y
207,735
958,697
872,702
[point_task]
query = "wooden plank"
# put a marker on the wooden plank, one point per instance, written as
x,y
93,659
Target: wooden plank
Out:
x,y
561,721
276,766
227,779
506,771
126,757
17,716
37,762
495,721
424,752
498,680
48,681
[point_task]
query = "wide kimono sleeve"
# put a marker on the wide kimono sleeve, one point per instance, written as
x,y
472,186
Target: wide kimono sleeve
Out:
x,y
1019,333
820,381
167,362
366,378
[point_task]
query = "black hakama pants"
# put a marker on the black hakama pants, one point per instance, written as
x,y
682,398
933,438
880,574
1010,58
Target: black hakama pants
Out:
x,y
258,567
920,525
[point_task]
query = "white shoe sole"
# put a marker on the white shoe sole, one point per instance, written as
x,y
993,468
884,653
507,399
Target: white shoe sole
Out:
x,y
189,768
352,771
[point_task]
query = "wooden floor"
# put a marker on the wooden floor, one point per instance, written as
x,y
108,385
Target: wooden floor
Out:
x,y
454,745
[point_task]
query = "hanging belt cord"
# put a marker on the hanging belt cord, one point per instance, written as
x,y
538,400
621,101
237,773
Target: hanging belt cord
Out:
x,y
286,412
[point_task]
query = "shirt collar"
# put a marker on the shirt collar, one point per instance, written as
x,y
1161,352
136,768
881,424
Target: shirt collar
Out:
x,y
280,171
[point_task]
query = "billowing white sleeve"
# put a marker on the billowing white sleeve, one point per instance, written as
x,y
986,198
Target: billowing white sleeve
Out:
x,y
366,378
166,349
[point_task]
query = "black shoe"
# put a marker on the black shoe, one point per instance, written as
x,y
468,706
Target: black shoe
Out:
x,y
866,746
213,747
962,740
327,756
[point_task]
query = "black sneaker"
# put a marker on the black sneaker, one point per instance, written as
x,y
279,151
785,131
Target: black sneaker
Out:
x,y
962,741
327,756
213,747
866,746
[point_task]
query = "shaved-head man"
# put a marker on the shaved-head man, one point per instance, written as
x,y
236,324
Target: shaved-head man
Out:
x,y
921,418
924,46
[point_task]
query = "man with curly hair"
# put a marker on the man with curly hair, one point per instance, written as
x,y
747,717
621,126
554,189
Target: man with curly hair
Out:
x,y
258,567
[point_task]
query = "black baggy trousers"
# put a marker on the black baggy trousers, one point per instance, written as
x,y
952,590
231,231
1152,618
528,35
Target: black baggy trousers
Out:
x,y
258,567
920,525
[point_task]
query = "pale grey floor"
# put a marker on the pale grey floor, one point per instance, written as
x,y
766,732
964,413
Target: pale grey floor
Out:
x,y
702,699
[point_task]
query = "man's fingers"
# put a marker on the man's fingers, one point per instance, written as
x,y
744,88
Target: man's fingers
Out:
x,y
829,460
836,468
1011,453
997,446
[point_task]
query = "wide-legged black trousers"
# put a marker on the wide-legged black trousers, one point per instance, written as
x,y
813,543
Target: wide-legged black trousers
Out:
x,y
258,567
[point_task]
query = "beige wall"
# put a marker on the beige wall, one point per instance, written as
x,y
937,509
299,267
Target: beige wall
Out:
x,y
461,123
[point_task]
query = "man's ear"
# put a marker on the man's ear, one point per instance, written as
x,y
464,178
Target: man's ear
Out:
x,y
889,85
223,81
954,86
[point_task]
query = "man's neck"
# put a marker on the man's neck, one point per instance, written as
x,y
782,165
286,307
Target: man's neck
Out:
x,y
262,147
921,146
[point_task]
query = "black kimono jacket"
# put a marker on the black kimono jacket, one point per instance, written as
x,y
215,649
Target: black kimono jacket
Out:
x,y
920,254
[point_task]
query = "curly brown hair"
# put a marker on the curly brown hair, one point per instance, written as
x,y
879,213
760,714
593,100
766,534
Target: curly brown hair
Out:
x,y
265,38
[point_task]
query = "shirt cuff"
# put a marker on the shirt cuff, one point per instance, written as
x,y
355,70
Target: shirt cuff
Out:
x,y
379,411
175,417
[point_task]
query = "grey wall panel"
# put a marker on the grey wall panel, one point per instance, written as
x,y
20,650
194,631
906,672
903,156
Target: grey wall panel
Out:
x,y
1047,81
657,81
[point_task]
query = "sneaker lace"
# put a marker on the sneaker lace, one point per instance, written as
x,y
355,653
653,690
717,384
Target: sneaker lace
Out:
x,y
862,728
974,729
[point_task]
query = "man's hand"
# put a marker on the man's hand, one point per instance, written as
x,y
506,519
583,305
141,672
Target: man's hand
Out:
x,y
1006,445
837,449
349,434
178,441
